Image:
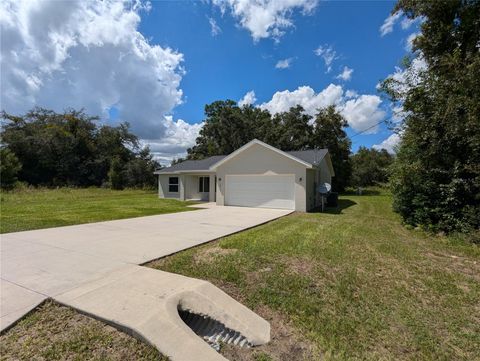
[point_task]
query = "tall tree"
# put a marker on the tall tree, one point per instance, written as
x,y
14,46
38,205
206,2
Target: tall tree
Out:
x,y
293,129
224,130
436,178
370,167
329,133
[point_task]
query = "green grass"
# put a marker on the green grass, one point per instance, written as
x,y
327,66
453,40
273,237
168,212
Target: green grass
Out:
x,y
56,332
354,282
42,208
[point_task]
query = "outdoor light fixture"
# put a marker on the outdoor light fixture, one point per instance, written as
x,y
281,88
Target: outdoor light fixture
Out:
x,y
300,179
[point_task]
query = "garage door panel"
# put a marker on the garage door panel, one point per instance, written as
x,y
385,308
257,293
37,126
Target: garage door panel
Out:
x,y
272,191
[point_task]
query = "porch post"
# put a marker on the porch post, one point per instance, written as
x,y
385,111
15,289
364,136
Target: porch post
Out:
x,y
212,188
181,180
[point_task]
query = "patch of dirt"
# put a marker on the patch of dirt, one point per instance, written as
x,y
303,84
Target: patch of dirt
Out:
x,y
209,254
300,266
286,342
457,264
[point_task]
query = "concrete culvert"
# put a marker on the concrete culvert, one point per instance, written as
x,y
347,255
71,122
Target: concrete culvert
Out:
x,y
212,331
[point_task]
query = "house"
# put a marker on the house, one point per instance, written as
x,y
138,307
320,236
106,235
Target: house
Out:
x,y
255,175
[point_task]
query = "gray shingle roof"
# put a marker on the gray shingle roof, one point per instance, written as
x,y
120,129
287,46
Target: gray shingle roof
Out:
x,y
192,165
312,156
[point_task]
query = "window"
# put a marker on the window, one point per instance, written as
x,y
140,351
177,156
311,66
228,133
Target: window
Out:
x,y
204,184
173,184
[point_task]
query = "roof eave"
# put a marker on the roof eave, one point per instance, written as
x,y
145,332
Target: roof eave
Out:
x,y
185,171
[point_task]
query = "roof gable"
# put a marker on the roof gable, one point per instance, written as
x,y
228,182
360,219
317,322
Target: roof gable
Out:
x,y
265,145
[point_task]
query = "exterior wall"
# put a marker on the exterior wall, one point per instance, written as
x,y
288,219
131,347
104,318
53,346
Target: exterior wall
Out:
x,y
311,184
325,175
259,160
316,176
212,188
163,187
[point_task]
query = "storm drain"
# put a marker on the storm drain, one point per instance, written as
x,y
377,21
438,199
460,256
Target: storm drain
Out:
x,y
213,332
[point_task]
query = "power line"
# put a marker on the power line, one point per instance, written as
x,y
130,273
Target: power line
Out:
x,y
363,131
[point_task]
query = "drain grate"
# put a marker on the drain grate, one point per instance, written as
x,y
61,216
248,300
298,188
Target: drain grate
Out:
x,y
213,332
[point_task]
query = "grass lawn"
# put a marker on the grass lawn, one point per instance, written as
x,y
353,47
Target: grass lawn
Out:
x,y
350,284
42,208
55,332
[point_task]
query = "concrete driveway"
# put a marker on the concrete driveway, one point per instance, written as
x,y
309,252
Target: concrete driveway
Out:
x,y
46,263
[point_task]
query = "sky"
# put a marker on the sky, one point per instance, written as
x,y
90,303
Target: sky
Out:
x,y
156,64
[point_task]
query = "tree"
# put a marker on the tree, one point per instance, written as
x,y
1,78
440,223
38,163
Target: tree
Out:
x,y
329,133
224,130
139,171
293,129
71,149
116,174
9,168
436,175
370,167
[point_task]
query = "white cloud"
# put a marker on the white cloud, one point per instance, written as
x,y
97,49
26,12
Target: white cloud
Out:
x,y
405,78
409,42
389,144
407,23
389,22
247,99
91,55
351,94
398,114
284,64
179,135
266,18
346,74
328,55
306,97
363,113
214,28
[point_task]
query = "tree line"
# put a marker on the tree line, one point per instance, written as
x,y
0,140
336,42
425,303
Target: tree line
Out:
x,y
44,148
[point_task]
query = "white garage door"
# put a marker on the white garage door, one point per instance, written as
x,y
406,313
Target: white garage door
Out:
x,y
266,191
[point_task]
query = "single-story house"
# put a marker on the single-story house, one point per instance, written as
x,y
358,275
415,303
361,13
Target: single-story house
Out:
x,y
255,175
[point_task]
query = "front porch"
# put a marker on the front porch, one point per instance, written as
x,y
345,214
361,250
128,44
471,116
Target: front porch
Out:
x,y
188,186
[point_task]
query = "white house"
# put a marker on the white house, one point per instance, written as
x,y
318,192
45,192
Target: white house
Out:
x,y
255,175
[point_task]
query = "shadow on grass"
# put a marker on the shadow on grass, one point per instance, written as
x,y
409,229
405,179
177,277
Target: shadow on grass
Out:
x,y
364,192
342,204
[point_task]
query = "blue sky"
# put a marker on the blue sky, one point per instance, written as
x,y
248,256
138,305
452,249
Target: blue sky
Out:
x,y
157,64
229,64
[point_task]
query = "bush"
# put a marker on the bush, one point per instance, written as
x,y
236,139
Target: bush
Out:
x,y
9,168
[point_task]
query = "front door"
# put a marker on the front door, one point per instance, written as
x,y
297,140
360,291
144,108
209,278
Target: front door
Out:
x,y
204,188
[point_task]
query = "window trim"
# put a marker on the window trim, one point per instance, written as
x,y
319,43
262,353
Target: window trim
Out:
x,y
174,184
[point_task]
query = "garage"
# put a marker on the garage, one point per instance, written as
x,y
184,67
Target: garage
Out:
x,y
264,191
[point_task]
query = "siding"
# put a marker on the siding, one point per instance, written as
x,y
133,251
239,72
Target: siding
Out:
x,y
163,187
